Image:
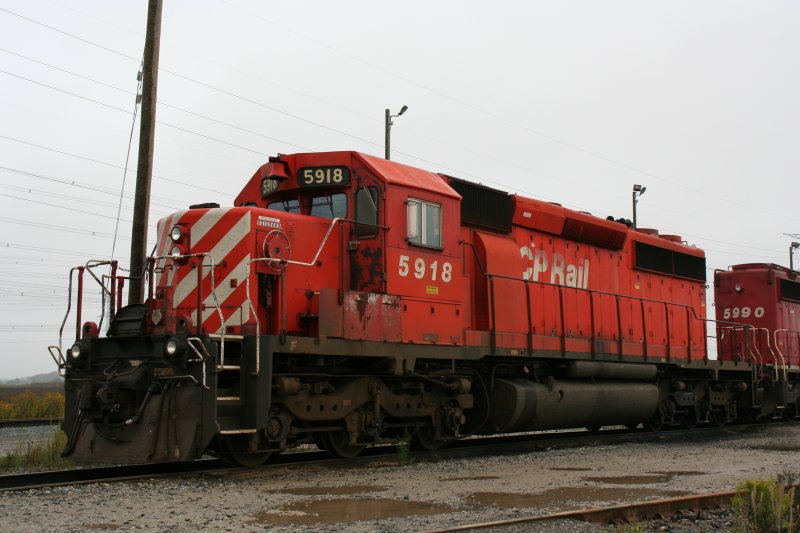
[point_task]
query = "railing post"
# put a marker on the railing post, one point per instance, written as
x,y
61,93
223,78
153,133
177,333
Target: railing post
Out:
x,y
150,274
79,305
619,326
113,296
644,330
688,335
530,316
120,286
563,321
199,296
493,326
666,323
591,320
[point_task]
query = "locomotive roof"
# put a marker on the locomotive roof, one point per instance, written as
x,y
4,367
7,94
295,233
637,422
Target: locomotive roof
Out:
x,y
400,174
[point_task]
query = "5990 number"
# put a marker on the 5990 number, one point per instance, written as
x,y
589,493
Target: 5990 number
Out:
x,y
742,312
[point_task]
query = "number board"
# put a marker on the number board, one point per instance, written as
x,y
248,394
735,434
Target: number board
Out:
x,y
323,176
268,186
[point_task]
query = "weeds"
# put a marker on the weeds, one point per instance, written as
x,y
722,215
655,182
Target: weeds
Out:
x,y
768,506
404,447
31,405
631,528
42,455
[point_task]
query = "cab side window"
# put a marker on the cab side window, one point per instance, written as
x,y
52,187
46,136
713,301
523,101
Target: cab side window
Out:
x,y
424,223
366,212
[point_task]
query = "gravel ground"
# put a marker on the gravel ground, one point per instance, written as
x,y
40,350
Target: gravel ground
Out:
x,y
424,495
11,437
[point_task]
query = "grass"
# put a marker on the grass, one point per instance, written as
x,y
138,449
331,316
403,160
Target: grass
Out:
x,y
403,447
767,506
44,454
31,405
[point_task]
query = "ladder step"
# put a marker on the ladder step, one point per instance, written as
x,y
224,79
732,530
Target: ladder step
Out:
x,y
228,367
217,337
237,431
228,398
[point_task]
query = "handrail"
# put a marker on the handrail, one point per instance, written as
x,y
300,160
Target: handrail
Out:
x,y
202,256
775,338
88,266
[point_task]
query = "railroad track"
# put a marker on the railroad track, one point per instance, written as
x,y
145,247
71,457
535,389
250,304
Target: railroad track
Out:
x,y
626,513
466,448
25,422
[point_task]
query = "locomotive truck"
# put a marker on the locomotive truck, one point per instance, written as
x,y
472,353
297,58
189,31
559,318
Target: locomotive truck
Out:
x,y
346,300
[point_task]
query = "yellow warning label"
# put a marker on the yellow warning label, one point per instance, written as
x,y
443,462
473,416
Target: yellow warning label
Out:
x,y
430,289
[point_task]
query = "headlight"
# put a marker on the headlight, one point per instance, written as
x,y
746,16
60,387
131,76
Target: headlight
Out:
x,y
176,234
75,351
171,348
176,252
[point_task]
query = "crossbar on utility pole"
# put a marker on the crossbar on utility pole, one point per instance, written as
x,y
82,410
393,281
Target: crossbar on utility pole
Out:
x,y
144,169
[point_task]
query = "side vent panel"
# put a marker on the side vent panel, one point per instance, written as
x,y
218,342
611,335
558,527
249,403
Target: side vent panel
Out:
x,y
484,207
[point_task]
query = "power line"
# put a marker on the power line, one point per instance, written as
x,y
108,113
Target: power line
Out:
x,y
388,72
49,250
51,149
66,196
53,227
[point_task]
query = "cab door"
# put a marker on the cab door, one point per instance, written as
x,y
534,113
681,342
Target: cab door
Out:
x,y
367,239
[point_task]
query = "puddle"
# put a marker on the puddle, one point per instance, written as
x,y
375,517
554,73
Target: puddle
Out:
x,y
570,469
679,473
632,480
469,478
332,491
346,510
568,498
778,447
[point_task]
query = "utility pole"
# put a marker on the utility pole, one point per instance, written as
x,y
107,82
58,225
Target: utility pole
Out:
x,y
388,124
144,170
638,190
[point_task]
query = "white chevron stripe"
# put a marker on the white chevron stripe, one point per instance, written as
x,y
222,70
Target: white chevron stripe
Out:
x,y
224,290
237,234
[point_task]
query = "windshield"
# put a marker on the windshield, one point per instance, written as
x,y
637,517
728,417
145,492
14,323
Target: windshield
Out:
x,y
321,205
329,206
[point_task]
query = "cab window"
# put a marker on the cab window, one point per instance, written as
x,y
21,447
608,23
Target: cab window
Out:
x,y
329,205
366,212
424,223
289,206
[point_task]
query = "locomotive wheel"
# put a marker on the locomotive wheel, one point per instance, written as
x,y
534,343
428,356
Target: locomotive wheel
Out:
x,y
337,443
690,419
719,417
235,450
318,440
424,438
655,422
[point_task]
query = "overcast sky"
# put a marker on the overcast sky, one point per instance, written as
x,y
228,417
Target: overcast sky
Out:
x,y
571,102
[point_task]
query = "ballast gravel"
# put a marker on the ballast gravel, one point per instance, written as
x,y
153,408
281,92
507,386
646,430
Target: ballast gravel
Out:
x,y
422,494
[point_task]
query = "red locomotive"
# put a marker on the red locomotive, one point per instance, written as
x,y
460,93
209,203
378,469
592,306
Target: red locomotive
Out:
x,y
347,300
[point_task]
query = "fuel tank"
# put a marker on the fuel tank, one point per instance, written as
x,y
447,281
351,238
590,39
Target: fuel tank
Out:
x,y
522,405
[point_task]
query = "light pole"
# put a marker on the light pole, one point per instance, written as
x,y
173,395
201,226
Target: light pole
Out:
x,y
792,247
389,123
638,190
